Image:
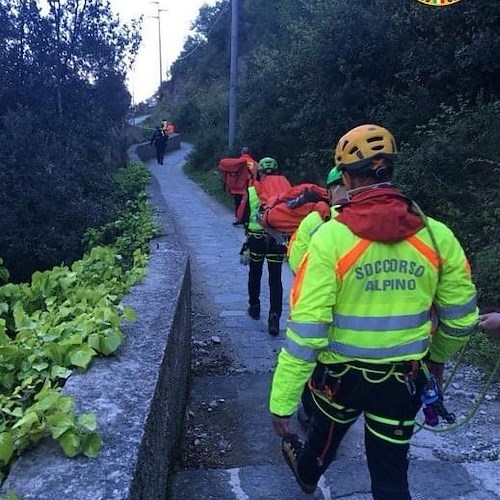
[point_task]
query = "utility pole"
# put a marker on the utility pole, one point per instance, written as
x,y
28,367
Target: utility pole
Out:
x,y
157,3
233,78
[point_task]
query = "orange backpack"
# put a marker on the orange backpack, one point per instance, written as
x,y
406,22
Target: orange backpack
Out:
x,y
236,174
286,212
270,187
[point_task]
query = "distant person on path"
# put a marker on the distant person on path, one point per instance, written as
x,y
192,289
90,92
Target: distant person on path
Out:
x,y
237,194
490,324
262,247
159,141
237,174
359,330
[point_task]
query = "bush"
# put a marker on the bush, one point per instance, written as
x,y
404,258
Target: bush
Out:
x,y
452,169
59,321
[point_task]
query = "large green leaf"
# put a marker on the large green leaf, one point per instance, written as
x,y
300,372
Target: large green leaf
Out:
x,y
82,356
4,339
40,366
93,340
7,379
88,421
27,421
91,445
16,412
110,342
6,447
59,423
47,400
65,403
73,340
129,314
70,443
59,372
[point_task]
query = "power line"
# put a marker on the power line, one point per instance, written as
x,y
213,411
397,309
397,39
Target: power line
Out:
x,y
159,11
191,52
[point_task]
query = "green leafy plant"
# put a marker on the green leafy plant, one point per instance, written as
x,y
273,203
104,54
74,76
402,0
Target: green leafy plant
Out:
x,y
60,321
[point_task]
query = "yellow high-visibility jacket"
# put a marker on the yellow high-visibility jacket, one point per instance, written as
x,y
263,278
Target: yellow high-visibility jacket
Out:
x,y
297,247
356,299
254,205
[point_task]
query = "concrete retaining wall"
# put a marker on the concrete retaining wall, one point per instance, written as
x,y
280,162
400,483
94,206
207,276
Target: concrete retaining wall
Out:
x,y
138,394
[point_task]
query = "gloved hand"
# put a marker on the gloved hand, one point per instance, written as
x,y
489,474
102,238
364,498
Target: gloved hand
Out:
x,y
245,255
281,425
490,323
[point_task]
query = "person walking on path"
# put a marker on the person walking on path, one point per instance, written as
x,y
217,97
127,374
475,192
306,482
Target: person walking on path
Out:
x,y
297,248
250,173
360,322
262,246
159,141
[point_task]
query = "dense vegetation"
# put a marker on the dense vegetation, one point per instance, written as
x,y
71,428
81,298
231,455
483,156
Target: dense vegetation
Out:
x,y
63,104
61,319
311,69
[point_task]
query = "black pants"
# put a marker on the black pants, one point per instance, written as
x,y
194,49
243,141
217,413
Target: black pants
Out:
x,y
237,198
389,410
160,152
264,247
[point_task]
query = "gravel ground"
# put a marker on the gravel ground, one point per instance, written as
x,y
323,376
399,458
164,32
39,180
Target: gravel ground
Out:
x,y
206,443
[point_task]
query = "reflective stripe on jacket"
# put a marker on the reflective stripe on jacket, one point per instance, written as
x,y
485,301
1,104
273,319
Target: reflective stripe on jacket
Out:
x,y
299,242
254,205
358,299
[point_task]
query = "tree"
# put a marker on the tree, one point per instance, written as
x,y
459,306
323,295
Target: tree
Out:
x,y
63,103
312,69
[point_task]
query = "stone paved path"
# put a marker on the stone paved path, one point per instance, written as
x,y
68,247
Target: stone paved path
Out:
x,y
254,470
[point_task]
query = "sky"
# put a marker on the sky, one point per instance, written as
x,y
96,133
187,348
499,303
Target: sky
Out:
x,y
175,22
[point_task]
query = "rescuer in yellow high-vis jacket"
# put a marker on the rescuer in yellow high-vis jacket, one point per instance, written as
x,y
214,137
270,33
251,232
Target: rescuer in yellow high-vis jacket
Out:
x,y
360,327
262,247
297,247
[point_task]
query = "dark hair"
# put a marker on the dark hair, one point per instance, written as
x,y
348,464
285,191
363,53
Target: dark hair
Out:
x,y
380,169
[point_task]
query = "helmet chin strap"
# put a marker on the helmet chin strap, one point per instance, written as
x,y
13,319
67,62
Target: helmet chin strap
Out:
x,y
352,192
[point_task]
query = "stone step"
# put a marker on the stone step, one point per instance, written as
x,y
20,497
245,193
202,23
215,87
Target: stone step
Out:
x,y
241,455
345,479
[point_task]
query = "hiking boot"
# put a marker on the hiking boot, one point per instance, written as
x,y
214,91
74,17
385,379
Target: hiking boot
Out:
x,y
273,324
291,447
254,311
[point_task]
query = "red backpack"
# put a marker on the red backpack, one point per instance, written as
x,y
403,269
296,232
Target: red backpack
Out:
x,y
270,187
286,212
236,173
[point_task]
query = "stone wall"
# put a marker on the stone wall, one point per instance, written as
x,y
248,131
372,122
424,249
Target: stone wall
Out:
x,y
138,394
